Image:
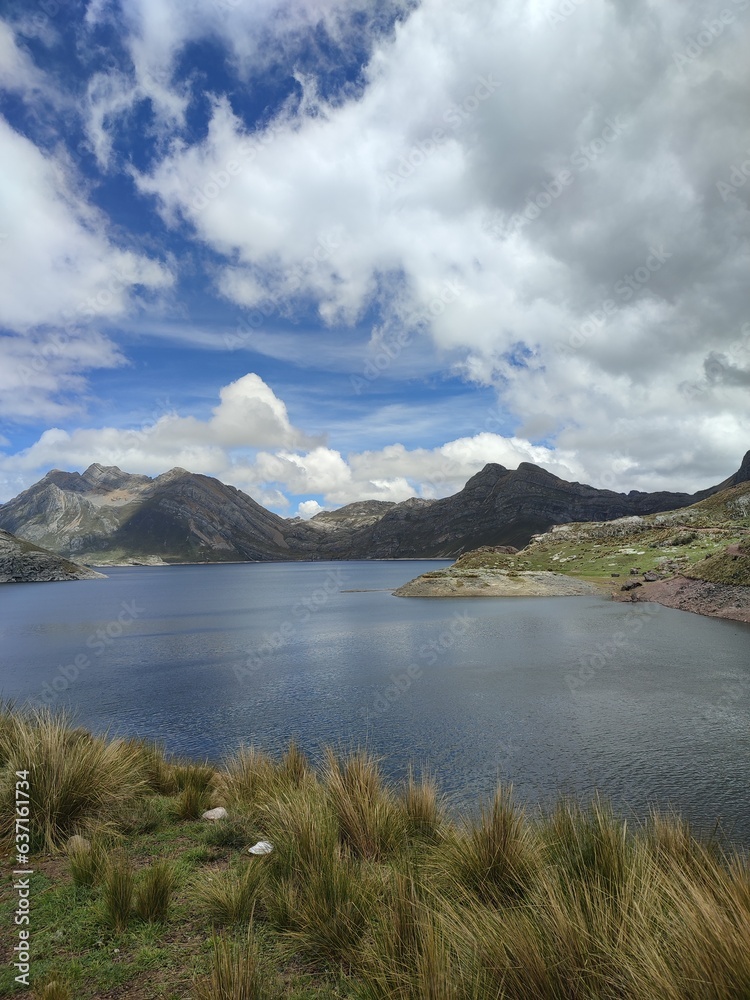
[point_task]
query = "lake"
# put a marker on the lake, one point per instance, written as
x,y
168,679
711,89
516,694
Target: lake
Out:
x,y
556,695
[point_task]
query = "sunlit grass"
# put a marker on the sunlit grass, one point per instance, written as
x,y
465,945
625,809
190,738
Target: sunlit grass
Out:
x,y
370,892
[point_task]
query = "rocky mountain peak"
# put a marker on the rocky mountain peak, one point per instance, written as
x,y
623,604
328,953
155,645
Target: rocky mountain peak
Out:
x,y
743,473
488,476
104,478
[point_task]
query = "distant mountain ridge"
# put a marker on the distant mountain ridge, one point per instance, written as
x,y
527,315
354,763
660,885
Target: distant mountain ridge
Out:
x,y
105,515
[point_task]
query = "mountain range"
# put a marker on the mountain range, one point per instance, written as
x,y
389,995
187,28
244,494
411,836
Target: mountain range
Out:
x,y
104,516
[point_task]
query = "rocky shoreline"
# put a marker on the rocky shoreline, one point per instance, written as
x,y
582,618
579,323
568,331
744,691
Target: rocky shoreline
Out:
x,y
716,600
22,562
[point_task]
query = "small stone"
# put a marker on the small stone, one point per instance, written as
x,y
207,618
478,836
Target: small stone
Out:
x,y
77,843
631,585
262,847
218,813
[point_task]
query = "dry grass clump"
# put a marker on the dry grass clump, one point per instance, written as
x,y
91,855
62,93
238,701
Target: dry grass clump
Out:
x,y
423,808
75,779
495,859
237,973
87,861
229,897
370,822
379,890
117,891
154,893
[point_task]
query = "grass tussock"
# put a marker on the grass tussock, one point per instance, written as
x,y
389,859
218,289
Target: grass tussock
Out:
x,y
87,862
237,973
229,897
370,822
117,891
154,893
53,989
75,779
370,892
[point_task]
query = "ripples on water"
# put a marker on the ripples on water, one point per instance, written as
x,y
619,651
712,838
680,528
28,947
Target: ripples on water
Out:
x,y
659,716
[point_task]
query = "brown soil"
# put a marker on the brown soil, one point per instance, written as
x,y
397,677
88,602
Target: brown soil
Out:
x,y
717,600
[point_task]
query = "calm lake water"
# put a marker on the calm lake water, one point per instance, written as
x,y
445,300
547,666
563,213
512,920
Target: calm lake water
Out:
x,y
556,695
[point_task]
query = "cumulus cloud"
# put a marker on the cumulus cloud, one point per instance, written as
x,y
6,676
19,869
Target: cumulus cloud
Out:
x,y
249,415
57,263
557,204
562,174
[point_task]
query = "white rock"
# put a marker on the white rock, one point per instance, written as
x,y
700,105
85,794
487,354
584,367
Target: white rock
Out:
x,y
218,813
262,847
77,843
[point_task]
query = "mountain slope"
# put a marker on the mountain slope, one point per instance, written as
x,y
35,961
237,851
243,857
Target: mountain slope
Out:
x,y
503,507
105,515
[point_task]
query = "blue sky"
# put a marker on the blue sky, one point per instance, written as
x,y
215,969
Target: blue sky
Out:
x,y
331,250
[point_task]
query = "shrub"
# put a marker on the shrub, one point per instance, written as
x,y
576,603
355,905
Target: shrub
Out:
x,y
155,892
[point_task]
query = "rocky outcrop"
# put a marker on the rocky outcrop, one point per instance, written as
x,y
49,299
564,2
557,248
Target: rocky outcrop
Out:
x,y
702,597
22,562
453,582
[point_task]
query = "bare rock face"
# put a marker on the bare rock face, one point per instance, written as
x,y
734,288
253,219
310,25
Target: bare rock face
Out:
x,y
23,562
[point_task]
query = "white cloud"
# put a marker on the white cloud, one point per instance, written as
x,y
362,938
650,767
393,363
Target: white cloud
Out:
x,y
644,142
17,70
249,442
308,509
57,264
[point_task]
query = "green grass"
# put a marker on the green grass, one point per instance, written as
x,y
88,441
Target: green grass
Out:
x,y
370,893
